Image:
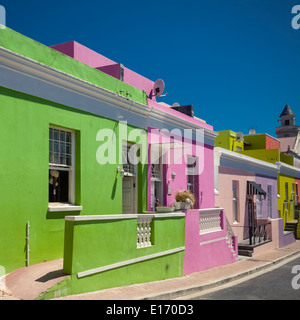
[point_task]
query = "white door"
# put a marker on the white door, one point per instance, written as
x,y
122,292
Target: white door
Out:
x,y
128,195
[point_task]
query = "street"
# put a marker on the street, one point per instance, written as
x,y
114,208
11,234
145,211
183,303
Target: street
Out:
x,y
273,285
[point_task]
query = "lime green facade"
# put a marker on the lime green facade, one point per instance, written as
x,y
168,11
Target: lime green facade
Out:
x,y
24,127
226,139
24,160
286,185
34,50
99,243
268,155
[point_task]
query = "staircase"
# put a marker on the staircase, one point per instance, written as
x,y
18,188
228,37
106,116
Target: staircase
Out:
x,y
245,250
291,226
229,240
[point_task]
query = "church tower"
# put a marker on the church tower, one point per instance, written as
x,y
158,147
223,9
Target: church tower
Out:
x,y
288,127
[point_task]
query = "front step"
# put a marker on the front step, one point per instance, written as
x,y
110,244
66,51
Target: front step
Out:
x,y
245,250
292,227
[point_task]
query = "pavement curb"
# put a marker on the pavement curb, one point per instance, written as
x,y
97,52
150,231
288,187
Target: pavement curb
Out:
x,y
170,295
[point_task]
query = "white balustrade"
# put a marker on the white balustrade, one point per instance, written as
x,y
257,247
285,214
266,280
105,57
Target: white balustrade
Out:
x,y
143,231
209,220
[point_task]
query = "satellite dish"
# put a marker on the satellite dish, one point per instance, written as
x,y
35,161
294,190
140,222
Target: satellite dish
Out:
x,y
252,131
158,87
175,104
239,137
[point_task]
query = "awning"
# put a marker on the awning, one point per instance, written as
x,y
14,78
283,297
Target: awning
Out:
x,y
254,189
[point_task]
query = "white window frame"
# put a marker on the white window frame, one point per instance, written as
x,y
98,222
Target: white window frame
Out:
x,y
191,163
235,201
70,169
132,167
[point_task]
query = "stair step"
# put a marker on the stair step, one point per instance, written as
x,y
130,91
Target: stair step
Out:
x,y
244,252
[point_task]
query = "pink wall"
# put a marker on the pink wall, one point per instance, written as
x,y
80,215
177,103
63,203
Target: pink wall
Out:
x,y
98,61
201,252
83,54
179,114
224,199
203,182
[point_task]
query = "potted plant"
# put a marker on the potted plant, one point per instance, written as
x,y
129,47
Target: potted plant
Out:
x,y
184,200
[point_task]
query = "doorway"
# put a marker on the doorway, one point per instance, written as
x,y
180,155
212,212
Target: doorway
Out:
x,y
129,195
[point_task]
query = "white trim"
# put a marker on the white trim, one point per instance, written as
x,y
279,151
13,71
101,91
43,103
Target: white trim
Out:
x,y
211,209
26,75
63,208
288,169
231,159
127,262
122,216
213,240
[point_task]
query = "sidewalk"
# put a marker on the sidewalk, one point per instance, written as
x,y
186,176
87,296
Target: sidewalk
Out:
x,y
49,273
196,282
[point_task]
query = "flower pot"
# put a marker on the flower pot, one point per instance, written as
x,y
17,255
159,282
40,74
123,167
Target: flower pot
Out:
x,y
177,205
182,205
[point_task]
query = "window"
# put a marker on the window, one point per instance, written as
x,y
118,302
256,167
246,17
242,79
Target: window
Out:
x,y
128,155
286,191
297,192
270,192
156,177
235,200
61,164
192,173
287,122
259,205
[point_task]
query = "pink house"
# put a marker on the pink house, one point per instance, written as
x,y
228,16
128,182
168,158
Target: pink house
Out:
x,y
247,188
180,157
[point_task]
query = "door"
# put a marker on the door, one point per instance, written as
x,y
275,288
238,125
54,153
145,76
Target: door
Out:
x,y
129,195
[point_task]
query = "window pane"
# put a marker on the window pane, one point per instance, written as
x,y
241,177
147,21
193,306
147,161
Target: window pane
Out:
x,y
68,136
56,134
62,147
68,160
68,148
50,133
62,136
62,159
55,146
51,145
56,157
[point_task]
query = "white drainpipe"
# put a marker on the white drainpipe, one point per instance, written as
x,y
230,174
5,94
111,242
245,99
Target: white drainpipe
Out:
x,y
27,243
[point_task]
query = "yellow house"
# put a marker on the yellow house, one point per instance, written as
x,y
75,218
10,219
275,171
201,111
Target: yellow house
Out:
x,y
286,200
287,178
229,140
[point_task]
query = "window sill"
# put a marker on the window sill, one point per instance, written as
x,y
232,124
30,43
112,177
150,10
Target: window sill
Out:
x,y
59,207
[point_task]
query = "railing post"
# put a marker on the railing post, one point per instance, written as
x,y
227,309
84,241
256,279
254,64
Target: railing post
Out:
x,y
144,231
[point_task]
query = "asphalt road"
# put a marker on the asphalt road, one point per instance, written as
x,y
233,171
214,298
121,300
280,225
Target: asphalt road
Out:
x,y
272,285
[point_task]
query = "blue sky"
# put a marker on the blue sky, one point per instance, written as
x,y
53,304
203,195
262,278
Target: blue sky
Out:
x,y
236,61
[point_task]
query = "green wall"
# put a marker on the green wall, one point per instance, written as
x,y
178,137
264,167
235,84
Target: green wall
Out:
x,y
226,140
93,244
287,159
25,46
24,164
257,141
268,155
